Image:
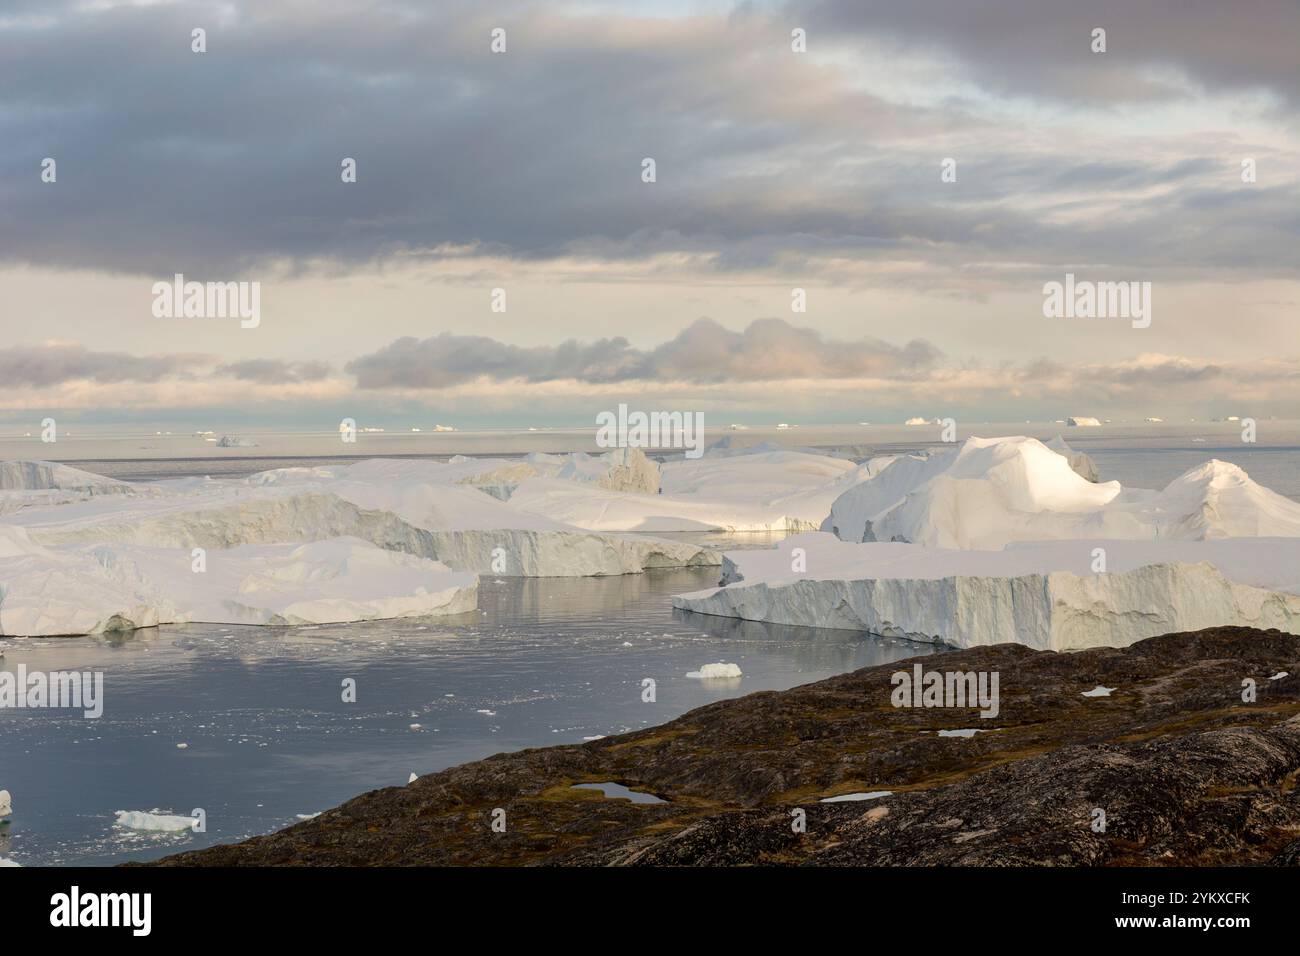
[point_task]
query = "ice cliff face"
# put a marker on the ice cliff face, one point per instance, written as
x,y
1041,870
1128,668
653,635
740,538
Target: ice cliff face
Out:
x,y
24,475
1042,595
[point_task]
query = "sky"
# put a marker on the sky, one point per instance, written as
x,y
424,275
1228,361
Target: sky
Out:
x,y
524,171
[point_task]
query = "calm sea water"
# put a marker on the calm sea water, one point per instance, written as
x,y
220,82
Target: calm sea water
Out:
x,y
269,737
547,661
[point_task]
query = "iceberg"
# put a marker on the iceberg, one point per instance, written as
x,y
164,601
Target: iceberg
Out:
x,y
111,587
987,493
762,489
1044,595
623,469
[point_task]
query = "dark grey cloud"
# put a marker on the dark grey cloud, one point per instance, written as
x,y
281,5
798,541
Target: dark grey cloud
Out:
x,y
44,366
1041,48
702,353
274,371
216,164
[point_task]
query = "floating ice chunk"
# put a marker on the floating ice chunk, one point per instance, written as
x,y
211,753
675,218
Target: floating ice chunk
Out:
x,y
309,816
850,797
182,746
6,804
153,821
4,863
1099,691
719,671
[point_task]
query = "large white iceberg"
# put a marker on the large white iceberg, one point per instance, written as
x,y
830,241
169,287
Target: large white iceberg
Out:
x,y
418,507
987,493
97,588
1044,595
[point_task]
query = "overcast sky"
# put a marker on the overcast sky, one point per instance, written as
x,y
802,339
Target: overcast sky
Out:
x,y
775,170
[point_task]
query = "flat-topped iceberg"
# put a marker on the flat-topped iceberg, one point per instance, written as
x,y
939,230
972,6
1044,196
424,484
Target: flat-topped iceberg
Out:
x,y
108,587
760,489
417,507
1045,595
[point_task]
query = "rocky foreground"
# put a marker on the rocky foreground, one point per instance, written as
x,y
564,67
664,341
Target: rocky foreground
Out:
x,y
1185,770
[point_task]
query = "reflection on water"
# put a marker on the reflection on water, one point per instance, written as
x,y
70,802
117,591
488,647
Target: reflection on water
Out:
x,y
268,736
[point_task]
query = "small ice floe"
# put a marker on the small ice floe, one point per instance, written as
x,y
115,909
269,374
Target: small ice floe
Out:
x,y
1098,691
182,746
848,797
719,671
416,727
962,732
309,816
1279,675
627,643
153,821
414,777
618,791
6,805
489,713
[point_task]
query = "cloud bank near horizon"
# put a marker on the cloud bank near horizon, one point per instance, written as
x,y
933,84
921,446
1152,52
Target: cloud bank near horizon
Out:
x,y
768,367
